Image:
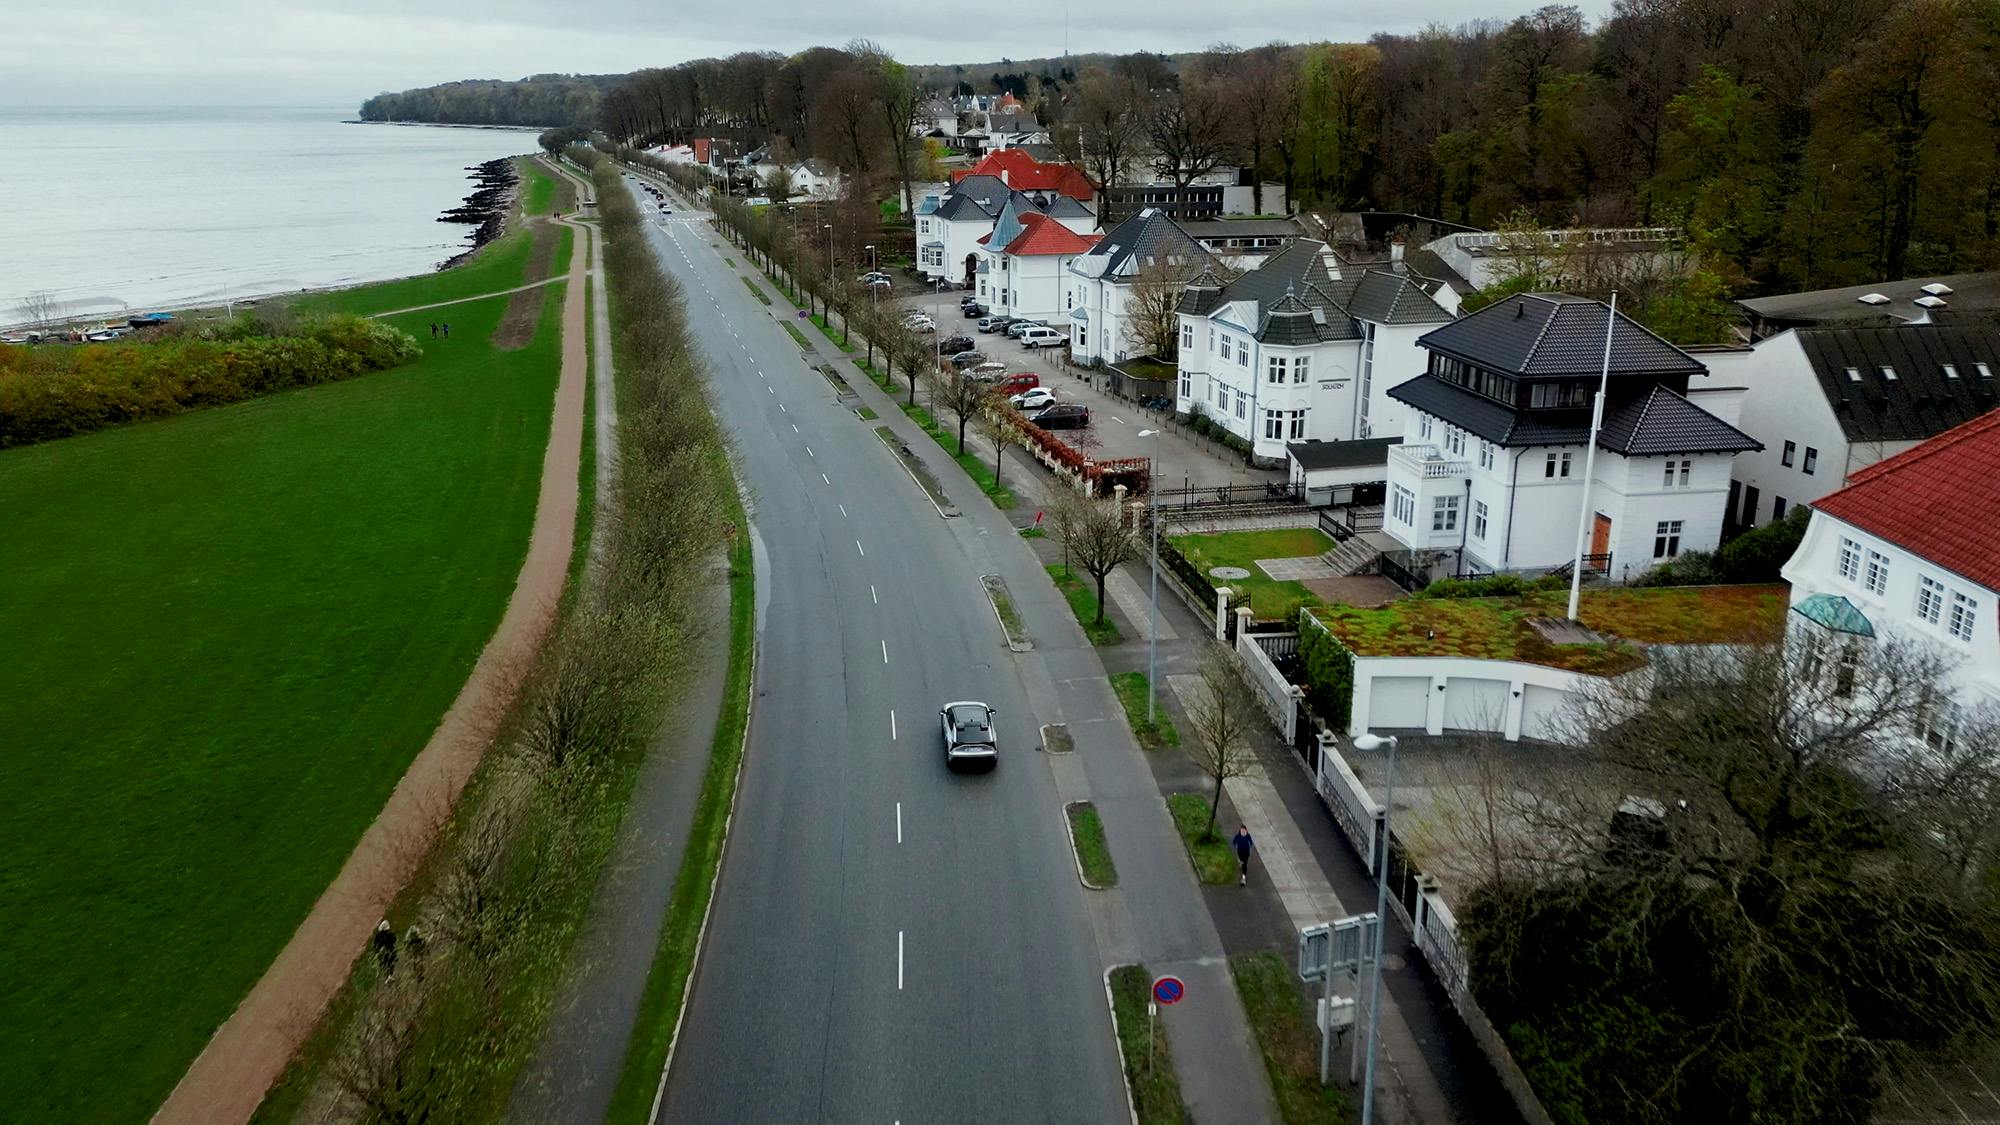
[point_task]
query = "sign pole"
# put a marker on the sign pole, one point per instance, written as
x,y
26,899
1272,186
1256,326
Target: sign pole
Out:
x,y
1152,1013
1326,1018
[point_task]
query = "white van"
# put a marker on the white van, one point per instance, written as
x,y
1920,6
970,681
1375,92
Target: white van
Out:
x,y
1043,338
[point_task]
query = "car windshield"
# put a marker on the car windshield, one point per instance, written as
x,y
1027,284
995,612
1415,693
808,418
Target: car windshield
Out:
x,y
972,723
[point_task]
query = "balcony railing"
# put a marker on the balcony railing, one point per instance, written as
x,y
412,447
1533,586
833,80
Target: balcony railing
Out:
x,y
1427,462
1572,237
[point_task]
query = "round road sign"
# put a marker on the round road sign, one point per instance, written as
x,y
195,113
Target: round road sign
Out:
x,y
1169,990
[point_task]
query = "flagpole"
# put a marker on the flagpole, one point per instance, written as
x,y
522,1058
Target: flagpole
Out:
x,y
1590,459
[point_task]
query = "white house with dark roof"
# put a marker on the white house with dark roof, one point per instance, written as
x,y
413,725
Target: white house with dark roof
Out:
x,y
1490,473
1299,349
1024,267
1829,401
953,229
1102,280
1911,549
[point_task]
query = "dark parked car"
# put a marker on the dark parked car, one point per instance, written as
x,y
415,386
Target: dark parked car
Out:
x,y
954,344
1062,416
994,323
967,359
968,734
974,310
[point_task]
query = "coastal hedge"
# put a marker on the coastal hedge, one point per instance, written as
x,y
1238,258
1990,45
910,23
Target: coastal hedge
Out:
x,y
51,391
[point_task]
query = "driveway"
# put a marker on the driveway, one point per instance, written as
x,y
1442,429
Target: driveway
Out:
x,y
1114,422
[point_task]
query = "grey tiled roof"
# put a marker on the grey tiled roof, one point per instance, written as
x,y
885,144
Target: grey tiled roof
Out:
x,y
1657,422
1289,323
1920,402
1150,233
1289,270
1549,334
1202,294
1063,207
1391,298
1661,421
962,208
1969,291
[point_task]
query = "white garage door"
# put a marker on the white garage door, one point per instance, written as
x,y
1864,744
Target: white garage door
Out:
x,y
1541,711
1398,701
1475,704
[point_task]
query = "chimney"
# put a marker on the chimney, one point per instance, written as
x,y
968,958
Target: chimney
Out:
x,y
1003,178
1396,249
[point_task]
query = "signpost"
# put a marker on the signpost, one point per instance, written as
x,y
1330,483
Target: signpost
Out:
x,y
1166,990
1339,946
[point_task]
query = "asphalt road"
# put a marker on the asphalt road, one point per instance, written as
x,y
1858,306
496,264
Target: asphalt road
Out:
x,y
891,941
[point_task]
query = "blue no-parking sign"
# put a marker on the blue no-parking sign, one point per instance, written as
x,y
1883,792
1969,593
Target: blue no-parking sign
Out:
x,y
1169,990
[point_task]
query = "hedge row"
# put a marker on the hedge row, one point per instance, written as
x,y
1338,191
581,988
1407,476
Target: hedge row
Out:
x,y
53,392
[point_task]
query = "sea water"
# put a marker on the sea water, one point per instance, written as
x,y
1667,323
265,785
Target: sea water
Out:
x,y
113,210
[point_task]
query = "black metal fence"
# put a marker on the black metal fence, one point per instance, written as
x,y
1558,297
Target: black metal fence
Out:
x,y
1189,575
1271,492
1401,575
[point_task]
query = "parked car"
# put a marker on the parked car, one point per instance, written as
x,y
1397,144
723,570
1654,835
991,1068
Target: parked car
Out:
x,y
1019,381
988,372
915,320
1034,400
994,323
967,301
968,734
1043,338
1018,327
872,276
952,345
964,360
882,283
973,311
1062,416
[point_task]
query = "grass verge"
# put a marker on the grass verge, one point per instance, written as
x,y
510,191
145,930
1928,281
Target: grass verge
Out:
x,y
1213,861
1082,600
974,465
673,961
1156,735
826,330
797,335
1149,1066
1004,609
1281,1019
1093,852
757,291
866,414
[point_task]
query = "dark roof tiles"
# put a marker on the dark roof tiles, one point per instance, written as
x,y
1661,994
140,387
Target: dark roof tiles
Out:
x,y
1552,334
1923,399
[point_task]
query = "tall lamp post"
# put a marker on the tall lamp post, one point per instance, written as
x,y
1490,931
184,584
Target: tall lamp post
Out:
x,y
1368,743
1153,599
828,228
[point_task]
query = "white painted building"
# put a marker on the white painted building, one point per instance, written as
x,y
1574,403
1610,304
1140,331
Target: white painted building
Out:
x,y
1911,548
954,228
1299,350
1024,263
1101,282
1586,258
1830,401
1491,472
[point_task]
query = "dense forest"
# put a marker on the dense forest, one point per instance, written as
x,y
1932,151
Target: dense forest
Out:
x,y
541,100
1801,143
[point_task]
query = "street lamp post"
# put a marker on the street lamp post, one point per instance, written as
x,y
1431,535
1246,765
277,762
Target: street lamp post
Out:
x,y
828,228
1153,599
1367,743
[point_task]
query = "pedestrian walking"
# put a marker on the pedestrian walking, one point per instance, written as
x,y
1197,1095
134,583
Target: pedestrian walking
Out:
x,y
385,947
434,329
447,330
1242,843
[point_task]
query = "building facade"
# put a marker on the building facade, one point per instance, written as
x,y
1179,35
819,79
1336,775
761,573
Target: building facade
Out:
x,y
1110,281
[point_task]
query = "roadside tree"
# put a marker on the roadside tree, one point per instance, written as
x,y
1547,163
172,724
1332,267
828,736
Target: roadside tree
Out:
x,y
1097,537
1221,715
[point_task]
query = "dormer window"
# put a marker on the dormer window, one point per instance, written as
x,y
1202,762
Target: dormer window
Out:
x,y
1951,370
1854,374
1985,372
1888,373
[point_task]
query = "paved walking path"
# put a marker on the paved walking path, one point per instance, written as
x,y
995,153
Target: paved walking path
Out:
x,y
250,1050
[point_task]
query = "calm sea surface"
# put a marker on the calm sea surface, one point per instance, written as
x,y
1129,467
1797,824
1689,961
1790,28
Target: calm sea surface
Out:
x,y
117,209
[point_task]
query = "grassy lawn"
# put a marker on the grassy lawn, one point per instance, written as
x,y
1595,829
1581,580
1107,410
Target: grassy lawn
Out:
x,y
1281,1017
975,466
1500,629
867,414
756,291
502,264
241,624
1213,861
1149,1067
1131,690
1081,591
538,187
1093,853
1243,548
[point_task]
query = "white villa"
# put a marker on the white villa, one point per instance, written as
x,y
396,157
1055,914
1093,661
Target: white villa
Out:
x,y
1101,282
1302,350
1024,262
1490,474
1912,548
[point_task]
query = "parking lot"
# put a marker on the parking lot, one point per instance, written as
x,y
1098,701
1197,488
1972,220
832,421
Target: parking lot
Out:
x,y
1115,423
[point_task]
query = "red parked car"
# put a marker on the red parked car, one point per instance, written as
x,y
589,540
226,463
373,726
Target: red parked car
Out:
x,y
1020,381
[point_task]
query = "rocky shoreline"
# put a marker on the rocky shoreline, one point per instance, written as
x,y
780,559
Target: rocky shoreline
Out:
x,y
486,208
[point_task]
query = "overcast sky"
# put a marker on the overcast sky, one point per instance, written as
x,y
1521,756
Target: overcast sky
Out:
x,y
337,52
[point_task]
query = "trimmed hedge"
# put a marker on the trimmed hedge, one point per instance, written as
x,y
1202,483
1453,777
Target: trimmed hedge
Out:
x,y
1753,557
49,392
1329,669
1492,586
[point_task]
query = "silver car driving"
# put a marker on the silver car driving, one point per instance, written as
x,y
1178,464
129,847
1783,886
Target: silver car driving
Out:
x,y
968,735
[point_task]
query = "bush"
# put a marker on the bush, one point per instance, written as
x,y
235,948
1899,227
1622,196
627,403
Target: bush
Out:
x,y
1758,555
55,392
1491,586
1329,667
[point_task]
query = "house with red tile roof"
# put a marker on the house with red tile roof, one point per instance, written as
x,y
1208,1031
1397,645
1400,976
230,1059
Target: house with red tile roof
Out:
x,y
1911,549
1022,172
1024,261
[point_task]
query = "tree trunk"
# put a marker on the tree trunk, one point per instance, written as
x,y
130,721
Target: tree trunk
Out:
x,y
1100,597
1214,807
962,419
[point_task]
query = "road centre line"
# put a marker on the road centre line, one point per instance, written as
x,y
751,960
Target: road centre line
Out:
x,y
899,822
885,651
822,476
795,427
809,452
892,738
843,509
899,960
864,552
871,594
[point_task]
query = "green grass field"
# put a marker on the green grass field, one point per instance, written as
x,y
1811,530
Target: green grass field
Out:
x,y
501,265
228,633
538,187
1270,599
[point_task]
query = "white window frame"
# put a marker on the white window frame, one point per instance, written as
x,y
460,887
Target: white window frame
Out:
x,y
1485,454
1850,560
1274,369
1242,405
1667,538
1187,336
1299,368
1403,505
1444,513
1274,424
1875,573
1930,599
1964,616
1296,425
1479,512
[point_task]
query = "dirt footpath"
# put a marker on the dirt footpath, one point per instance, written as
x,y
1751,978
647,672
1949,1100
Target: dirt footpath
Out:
x,y
250,1050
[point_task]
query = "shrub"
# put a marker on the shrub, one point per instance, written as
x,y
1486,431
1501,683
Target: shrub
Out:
x,y
1689,568
1757,555
1329,668
56,392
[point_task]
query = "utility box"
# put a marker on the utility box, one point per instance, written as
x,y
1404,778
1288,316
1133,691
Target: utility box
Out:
x,y
1340,1018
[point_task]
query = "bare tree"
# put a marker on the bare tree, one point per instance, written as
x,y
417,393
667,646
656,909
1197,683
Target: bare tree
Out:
x,y
1192,131
1096,535
1107,124
962,396
1220,717
43,309
1152,316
